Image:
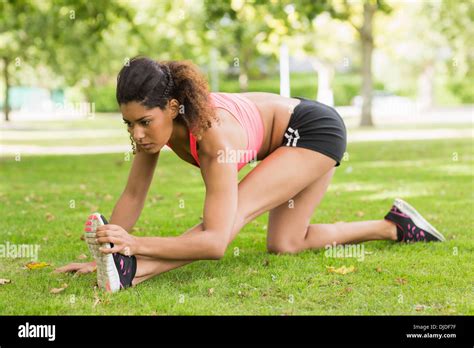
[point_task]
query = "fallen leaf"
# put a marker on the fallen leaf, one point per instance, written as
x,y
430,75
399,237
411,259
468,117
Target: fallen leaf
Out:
x,y
58,290
49,217
96,297
5,281
108,197
210,291
401,281
82,237
82,186
179,194
96,302
340,270
82,257
156,198
420,308
379,269
36,265
360,213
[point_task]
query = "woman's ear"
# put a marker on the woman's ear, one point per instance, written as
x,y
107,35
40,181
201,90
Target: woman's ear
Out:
x,y
174,108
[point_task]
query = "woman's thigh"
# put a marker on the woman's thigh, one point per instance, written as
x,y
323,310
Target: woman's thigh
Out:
x,y
282,175
288,223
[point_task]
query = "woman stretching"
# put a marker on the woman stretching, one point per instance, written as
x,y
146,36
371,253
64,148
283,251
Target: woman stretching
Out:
x,y
299,142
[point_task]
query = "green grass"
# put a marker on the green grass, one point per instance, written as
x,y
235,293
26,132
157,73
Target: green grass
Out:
x,y
438,276
57,133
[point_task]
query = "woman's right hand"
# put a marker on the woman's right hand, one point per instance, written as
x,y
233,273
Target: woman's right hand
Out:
x,y
78,268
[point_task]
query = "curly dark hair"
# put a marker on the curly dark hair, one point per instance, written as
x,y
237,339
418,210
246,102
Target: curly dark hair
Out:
x,y
152,83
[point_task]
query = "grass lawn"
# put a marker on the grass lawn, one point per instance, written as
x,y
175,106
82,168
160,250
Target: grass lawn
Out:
x,y
36,195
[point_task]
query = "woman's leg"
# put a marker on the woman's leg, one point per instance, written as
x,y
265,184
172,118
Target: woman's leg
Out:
x,y
148,267
280,176
290,231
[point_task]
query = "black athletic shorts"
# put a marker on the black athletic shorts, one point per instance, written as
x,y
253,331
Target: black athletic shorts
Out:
x,y
317,127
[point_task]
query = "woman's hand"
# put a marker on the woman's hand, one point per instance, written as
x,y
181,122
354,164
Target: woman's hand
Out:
x,y
79,268
124,243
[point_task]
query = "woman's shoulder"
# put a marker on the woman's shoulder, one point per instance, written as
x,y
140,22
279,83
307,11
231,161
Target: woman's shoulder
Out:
x,y
222,133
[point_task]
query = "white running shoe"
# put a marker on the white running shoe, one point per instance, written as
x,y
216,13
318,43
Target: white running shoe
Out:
x,y
411,226
107,274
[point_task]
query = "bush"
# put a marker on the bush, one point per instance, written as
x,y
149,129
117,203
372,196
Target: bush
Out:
x,y
345,87
463,90
103,97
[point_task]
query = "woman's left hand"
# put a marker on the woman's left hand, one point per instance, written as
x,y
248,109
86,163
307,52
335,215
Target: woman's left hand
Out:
x,y
124,243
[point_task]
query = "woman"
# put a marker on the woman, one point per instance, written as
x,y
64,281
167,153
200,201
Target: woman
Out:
x,y
298,141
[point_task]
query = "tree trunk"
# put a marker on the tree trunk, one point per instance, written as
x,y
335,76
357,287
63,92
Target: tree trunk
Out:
x,y
367,49
6,102
325,77
426,87
213,72
244,66
243,78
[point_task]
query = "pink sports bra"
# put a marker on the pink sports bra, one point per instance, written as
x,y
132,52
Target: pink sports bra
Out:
x,y
247,114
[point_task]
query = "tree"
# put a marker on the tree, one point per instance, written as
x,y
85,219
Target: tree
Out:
x,y
361,18
453,20
242,28
62,35
327,43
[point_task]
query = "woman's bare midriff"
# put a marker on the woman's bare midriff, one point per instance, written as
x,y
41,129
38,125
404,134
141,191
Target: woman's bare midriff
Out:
x,y
275,111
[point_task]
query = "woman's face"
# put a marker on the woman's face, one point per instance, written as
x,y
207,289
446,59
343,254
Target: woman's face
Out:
x,y
151,129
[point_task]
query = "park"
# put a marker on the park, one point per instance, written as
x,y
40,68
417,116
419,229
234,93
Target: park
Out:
x,y
407,102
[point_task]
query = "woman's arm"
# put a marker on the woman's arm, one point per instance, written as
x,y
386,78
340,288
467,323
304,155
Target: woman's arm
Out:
x,y
220,210
128,208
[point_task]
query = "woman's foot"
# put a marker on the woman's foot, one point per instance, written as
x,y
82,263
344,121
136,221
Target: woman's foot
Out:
x,y
114,271
411,226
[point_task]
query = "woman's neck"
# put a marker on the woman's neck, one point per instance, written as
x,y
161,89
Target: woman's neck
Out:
x,y
180,134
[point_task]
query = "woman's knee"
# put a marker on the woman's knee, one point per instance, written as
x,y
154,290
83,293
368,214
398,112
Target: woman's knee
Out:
x,y
283,248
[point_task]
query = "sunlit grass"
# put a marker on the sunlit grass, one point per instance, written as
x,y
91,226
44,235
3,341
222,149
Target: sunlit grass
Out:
x,y
435,278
